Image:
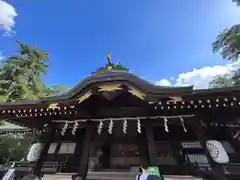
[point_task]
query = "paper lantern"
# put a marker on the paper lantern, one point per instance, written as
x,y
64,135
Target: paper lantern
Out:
x,y
35,152
217,151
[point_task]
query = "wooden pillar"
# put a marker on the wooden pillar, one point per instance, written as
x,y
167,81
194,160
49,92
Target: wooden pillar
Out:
x,y
86,151
217,169
175,145
143,151
152,154
229,137
47,139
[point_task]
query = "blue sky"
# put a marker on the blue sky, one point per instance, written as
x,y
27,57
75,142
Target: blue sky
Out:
x,y
160,40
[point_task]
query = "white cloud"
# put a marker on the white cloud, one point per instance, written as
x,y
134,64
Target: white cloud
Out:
x,y
1,56
225,15
7,17
199,78
164,82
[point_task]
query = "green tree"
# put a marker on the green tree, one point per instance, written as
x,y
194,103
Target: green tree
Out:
x,y
228,41
20,79
227,80
221,81
228,44
55,90
237,2
20,75
14,147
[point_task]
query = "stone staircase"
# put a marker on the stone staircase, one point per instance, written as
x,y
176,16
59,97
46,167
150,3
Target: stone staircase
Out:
x,y
112,176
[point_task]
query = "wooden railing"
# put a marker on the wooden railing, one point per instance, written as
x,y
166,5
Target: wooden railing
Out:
x,y
232,169
21,168
203,169
10,175
48,167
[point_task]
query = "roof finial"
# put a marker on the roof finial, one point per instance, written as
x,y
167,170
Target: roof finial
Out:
x,y
109,58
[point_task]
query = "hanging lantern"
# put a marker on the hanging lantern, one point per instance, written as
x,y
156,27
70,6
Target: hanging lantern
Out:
x,y
35,152
125,126
165,124
139,126
183,124
217,151
100,126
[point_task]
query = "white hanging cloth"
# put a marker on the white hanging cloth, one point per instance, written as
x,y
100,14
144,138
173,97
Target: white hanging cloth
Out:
x,y
139,126
64,128
75,126
100,126
110,127
183,124
125,126
237,135
165,124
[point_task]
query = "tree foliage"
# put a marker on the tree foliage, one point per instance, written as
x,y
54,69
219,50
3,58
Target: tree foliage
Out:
x,y
221,81
21,79
237,2
227,80
20,75
228,43
54,90
13,148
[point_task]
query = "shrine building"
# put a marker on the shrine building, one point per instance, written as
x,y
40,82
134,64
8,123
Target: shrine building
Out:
x,y
112,121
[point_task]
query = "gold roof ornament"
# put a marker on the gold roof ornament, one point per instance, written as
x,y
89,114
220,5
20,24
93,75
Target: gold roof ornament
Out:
x,y
84,97
175,99
137,93
109,65
109,58
110,87
53,106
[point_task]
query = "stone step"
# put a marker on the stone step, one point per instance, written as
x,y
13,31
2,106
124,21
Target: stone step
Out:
x,y
112,176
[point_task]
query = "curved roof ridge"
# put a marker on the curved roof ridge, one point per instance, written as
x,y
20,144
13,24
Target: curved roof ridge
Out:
x,y
109,76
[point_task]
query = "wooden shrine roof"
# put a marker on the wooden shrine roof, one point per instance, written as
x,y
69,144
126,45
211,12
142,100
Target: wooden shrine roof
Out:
x,y
107,77
110,82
